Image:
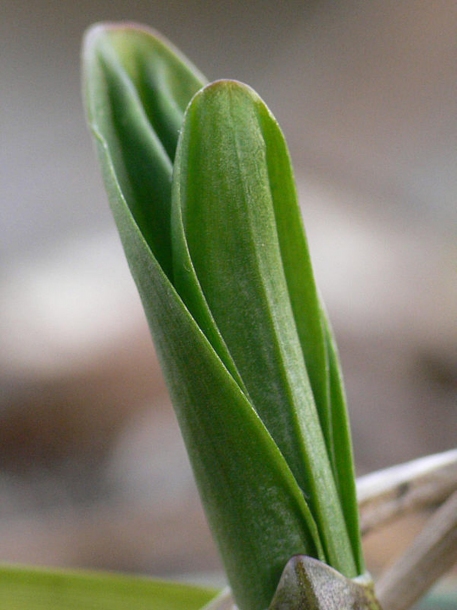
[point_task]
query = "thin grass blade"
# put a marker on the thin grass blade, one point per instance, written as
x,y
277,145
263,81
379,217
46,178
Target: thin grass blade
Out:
x,y
23,588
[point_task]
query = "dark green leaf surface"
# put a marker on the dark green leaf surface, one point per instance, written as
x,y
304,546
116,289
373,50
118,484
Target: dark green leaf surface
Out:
x,y
43,589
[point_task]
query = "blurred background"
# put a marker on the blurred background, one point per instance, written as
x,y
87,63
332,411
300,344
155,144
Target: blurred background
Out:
x,y
92,468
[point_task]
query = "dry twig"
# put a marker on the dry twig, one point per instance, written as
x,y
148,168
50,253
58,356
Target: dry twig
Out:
x,y
418,485
432,553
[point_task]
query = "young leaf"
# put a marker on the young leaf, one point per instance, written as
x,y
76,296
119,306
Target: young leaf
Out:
x,y
343,463
139,88
227,256
222,266
255,507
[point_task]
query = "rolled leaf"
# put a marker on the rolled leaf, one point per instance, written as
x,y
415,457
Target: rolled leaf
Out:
x,y
201,187
228,264
139,86
256,508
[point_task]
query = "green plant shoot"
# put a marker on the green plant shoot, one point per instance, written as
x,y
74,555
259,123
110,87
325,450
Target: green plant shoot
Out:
x,y
201,186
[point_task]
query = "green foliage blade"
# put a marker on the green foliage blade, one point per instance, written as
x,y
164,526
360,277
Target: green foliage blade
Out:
x,y
314,329
217,258
140,116
255,508
164,79
342,446
24,588
298,271
226,246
